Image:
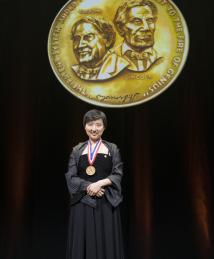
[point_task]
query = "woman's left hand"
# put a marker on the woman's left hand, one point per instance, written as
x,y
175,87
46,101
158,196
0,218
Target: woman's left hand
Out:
x,y
93,188
100,193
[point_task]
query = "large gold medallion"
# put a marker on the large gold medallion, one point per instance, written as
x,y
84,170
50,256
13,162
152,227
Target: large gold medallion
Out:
x,y
118,53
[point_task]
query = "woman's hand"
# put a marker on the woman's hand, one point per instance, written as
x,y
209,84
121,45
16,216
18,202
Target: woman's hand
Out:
x,y
100,193
94,188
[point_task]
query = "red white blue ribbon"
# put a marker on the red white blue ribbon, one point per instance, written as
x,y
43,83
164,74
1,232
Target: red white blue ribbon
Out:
x,y
92,153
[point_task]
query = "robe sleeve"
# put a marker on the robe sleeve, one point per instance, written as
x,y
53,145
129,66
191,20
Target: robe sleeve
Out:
x,y
74,182
114,192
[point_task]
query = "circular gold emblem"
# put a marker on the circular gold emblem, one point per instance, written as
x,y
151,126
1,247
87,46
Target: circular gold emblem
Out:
x,y
118,53
90,170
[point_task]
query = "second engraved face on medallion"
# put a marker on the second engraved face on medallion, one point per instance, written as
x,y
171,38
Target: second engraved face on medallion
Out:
x,y
135,22
118,53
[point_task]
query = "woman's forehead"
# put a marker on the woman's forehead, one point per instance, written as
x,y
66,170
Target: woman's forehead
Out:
x,y
95,121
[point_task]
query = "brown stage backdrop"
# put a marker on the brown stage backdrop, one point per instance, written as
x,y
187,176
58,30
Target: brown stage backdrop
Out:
x,y
166,145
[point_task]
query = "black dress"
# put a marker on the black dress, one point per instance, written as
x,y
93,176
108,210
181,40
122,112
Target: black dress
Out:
x,y
95,233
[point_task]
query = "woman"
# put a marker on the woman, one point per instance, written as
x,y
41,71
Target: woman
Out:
x,y
94,183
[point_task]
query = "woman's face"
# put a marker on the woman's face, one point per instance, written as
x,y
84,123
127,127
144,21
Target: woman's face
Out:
x,y
94,129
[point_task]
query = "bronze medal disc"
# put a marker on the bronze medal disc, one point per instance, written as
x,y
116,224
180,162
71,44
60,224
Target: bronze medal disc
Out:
x,y
90,170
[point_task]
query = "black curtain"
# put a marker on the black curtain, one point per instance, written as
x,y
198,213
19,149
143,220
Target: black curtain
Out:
x,y
166,145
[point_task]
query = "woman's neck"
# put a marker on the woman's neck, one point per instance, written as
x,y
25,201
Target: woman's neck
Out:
x,y
93,142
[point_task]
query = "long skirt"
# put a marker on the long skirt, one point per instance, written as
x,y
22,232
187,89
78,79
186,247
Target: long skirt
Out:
x,y
95,233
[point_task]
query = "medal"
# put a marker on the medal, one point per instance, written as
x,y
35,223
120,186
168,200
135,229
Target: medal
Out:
x,y
91,170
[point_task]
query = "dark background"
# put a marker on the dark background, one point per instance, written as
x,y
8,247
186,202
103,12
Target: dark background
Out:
x,y
166,145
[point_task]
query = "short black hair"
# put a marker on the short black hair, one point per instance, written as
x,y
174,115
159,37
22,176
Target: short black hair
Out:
x,y
93,115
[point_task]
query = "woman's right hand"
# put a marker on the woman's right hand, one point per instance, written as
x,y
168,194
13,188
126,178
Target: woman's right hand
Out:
x,y
94,188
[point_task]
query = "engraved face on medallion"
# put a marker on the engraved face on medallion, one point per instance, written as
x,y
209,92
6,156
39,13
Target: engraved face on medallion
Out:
x,y
135,22
89,44
92,38
139,27
118,53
